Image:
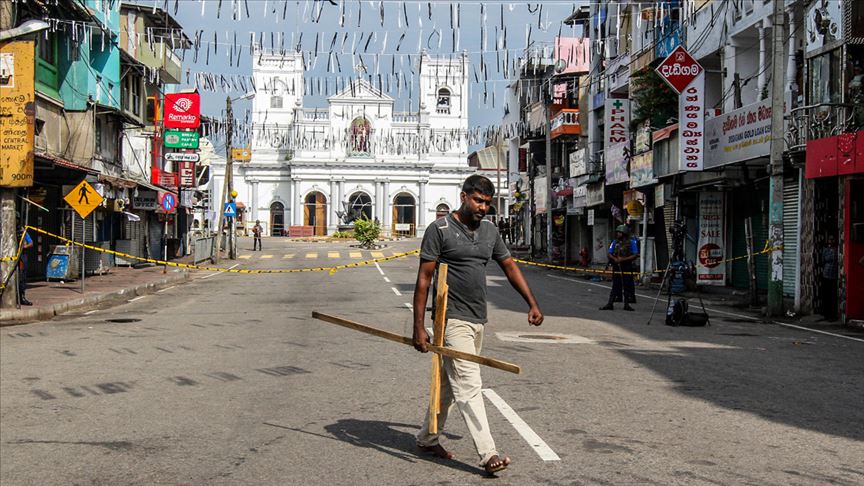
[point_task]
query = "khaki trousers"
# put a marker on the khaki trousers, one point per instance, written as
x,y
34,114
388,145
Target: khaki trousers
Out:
x,y
461,385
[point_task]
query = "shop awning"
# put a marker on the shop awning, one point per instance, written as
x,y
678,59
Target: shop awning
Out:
x,y
61,162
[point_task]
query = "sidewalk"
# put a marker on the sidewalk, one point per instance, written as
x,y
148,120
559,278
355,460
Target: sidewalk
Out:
x,y
729,301
51,298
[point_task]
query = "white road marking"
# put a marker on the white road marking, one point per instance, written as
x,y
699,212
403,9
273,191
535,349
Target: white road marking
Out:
x,y
409,306
386,279
166,288
220,273
137,298
718,311
90,312
379,268
395,291
540,447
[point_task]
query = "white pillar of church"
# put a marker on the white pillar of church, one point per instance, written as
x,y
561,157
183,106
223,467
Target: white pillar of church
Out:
x,y
378,199
254,199
334,206
296,203
386,208
421,206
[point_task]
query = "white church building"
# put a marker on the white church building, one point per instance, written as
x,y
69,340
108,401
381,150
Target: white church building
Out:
x,y
307,164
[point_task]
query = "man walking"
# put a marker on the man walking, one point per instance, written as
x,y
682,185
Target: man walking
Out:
x,y
622,252
465,241
256,234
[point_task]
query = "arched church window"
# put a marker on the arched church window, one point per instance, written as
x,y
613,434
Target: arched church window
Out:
x,y
443,107
275,102
360,132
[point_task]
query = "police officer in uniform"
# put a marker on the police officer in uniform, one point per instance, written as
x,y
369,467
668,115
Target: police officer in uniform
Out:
x,y
622,252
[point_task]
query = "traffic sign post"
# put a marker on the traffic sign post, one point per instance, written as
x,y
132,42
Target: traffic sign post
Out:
x,y
168,202
230,209
83,199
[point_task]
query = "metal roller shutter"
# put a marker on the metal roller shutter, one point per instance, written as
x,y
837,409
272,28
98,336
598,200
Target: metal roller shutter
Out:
x,y
791,235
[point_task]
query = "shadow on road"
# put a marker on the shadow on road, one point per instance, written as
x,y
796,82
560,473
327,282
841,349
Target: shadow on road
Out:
x,y
803,380
383,437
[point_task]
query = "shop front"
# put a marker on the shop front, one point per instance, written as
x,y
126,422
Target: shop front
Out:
x,y
834,169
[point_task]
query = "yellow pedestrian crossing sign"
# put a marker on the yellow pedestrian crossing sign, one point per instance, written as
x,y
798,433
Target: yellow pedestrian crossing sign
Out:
x,y
83,199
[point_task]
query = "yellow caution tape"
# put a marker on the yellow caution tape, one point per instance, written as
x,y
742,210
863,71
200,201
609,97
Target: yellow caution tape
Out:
x,y
612,272
17,252
331,269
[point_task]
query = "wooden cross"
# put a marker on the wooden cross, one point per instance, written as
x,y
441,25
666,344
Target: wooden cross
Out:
x,y
440,323
437,345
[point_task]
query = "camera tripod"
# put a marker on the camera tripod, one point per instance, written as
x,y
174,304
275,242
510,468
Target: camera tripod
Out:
x,y
679,233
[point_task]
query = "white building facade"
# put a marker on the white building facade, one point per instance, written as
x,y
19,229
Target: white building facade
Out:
x,y
309,164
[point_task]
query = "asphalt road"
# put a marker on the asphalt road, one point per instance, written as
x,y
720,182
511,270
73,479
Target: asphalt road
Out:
x,y
227,380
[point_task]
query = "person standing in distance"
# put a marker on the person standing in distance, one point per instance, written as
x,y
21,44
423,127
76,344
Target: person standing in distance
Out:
x,y
622,252
465,240
256,234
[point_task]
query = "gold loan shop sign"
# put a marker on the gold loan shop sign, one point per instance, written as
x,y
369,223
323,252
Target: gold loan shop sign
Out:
x,y
17,113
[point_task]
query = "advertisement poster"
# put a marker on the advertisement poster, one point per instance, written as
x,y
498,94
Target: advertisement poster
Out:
x,y
709,269
17,113
540,193
642,170
578,164
616,164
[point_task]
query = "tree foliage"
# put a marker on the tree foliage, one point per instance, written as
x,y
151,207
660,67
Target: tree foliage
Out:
x,y
366,231
654,99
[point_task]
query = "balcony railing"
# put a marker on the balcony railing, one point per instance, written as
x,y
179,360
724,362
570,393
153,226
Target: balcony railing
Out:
x,y
405,118
566,122
818,121
316,115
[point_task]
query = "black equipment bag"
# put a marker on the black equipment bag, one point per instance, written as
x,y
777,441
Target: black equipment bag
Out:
x,y
678,314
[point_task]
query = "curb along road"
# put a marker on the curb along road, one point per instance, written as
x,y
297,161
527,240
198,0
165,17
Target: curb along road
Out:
x,y
26,316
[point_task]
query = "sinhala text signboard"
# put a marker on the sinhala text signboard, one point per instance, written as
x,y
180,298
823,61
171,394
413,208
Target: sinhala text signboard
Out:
x,y
686,76
17,113
738,135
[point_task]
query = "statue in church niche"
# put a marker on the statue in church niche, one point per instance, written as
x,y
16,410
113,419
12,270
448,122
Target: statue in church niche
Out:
x,y
349,214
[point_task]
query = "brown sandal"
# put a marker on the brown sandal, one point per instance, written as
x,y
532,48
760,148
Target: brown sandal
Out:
x,y
436,450
496,464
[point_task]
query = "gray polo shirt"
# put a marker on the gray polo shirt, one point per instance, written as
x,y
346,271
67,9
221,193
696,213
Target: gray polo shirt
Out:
x,y
466,253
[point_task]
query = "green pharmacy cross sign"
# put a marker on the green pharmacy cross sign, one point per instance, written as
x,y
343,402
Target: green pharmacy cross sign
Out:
x,y
180,140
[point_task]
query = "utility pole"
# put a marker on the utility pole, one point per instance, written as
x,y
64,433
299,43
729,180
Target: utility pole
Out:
x,y
229,177
548,179
775,212
228,183
8,240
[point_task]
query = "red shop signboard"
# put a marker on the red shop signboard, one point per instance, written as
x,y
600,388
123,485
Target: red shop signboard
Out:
x,y
182,110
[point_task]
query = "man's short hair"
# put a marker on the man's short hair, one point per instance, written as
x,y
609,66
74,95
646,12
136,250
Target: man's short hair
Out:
x,y
478,183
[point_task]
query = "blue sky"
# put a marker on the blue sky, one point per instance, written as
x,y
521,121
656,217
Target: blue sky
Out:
x,y
542,18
